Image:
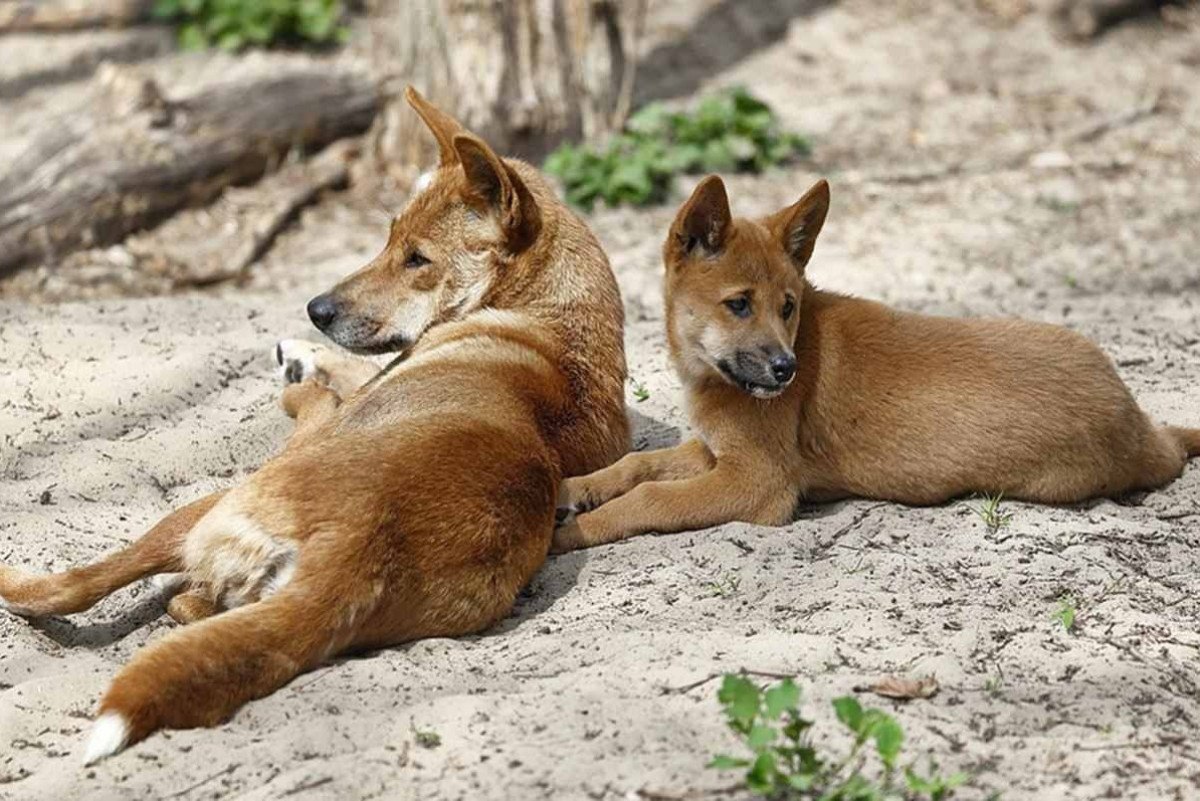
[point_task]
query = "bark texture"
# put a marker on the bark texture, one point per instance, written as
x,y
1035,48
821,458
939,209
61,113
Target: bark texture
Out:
x,y
524,74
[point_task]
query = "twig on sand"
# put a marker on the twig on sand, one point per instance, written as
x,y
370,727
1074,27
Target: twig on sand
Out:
x,y
688,795
762,674
1166,742
1098,127
308,785
1177,515
223,771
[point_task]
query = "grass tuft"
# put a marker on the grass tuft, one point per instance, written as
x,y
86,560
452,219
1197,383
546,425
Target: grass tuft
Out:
x,y
991,515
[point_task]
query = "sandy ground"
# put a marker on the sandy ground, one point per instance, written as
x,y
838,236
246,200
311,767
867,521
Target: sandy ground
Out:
x,y
930,126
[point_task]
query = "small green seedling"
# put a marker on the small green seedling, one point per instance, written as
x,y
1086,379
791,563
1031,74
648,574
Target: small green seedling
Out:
x,y
724,586
426,738
1067,610
784,761
934,786
989,512
1057,204
726,132
640,393
992,685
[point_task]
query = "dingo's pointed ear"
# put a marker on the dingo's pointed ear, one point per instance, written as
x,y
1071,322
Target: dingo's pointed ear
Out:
x,y
443,127
703,221
797,226
496,184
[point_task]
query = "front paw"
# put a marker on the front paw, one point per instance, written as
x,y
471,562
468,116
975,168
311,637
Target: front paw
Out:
x,y
297,360
574,498
568,536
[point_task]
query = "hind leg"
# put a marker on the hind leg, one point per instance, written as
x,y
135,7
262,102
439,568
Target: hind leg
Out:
x,y
1165,455
194,603
158,551
1188,439
1152,458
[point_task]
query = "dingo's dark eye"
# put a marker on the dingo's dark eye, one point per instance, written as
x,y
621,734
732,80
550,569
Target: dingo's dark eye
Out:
x,y
739,306
414,260
788,307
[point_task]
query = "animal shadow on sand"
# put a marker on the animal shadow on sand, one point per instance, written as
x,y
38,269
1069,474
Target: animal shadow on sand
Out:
x,y
560,573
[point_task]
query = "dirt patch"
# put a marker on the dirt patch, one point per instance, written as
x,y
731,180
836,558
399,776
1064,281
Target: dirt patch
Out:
x,y
117,410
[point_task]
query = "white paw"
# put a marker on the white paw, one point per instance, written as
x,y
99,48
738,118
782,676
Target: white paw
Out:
x,y
296,359
107,738
168,583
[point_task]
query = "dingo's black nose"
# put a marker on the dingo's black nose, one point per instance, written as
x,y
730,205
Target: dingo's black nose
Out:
x,y
783,367
322,310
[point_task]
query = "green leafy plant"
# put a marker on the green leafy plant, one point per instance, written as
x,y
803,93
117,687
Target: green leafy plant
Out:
x,y
1067,611
237,24
785,763
640,393
729,131
989,512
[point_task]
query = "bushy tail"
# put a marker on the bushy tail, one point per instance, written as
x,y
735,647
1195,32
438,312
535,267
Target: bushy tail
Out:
x,y
201,674
1189,438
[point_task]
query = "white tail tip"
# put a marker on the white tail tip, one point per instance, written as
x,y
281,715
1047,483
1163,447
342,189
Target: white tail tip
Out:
x,y
15,609
107,738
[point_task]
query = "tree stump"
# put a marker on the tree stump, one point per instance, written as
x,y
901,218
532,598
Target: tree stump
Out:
x,y
523,74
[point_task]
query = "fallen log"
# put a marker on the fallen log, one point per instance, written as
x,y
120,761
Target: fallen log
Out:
x,y
222,241
33,61
125,164
67,15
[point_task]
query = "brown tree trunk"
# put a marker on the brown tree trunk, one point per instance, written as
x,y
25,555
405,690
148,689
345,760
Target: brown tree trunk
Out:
x,y
524,74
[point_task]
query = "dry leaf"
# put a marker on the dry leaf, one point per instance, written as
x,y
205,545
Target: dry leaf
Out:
x,y
896,687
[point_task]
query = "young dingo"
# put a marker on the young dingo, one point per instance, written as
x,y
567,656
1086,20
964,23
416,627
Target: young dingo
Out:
x,y
797,393
413,502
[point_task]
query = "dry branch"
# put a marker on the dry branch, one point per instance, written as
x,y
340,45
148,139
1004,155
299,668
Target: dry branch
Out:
x,y
91,179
